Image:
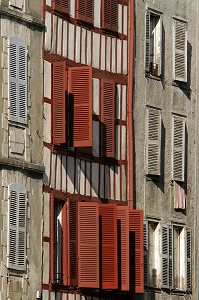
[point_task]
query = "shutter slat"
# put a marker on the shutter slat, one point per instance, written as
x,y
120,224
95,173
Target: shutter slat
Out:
x,y
171,273
59,102
110,15
108,218
188,259
145,237
165,256
136,250
80,85
85,10
147,53
61,6
73,240
88,245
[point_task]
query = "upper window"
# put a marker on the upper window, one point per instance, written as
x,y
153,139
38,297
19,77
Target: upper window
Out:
x,y
180,51
85,10
61,6
17,87
17,227
153,43
110,15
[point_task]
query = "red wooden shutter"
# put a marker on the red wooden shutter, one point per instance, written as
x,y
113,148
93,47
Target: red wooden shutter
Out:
x,y
109,271
123,246
59,102
136,240
61,6
80,85
73,236
107,118
110,14
88,245
65,244
85,10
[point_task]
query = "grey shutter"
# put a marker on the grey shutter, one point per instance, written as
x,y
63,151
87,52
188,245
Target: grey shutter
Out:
x,y
17,227
165,256
178,159
145,234
17,80
188,256
153,141
147,50
171,281
180,51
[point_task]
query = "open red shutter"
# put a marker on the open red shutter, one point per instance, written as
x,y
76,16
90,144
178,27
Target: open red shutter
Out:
x,y
73,236
110,14
61,6
107,118
109,265
88,245
136,250
85,10
123,246
65,243
80,85
59,102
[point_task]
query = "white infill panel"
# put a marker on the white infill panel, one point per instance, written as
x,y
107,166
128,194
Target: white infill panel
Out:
x,y
46,159
114,55
63,166
118,101
95,179
97,11
46,253
95,138
124,183
53,165
88,178
117,182
59,36
47,122
82,177
96,91
88,55
108,54
123,154
124,97
48,31
125,57
120,19
117,144
125,20
119,56
70,174
54,34
71,41
46,199
96,50
47,80
103,41
58,173
77,176
45,295
77,46
72,8
102,187
65,39
83,46
106,181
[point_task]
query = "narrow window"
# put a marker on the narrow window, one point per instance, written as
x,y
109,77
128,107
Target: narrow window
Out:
x,y
58,276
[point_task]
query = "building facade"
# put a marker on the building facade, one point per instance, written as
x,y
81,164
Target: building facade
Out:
x,y
21,167
92,234
166,133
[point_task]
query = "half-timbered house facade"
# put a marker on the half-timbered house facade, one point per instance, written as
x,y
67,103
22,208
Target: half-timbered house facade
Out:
x,y
92,236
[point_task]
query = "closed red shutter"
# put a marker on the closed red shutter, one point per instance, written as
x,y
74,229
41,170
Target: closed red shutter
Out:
x,y
110,14
59,102
73,236
136,250
109,265
88,245
61,6
65,243
80,87
85,10
107,113
123,247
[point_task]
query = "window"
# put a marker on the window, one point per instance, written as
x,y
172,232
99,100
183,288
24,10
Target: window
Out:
x,y
58,241
85,10
17,80
72,111
107,118
61,6
110,15
153,43
16,227
178,148
180,51
153,143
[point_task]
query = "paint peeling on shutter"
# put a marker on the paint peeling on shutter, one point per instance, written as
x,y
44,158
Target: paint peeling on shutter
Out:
x,y
107,130
178,148
123,247
59,80
136,250
88,245
147,50
165,256
171,273
85,10
109,266
145,237
180,50
61,6
17,227
80,88
153,141
110,14
188,259
73,238
17,80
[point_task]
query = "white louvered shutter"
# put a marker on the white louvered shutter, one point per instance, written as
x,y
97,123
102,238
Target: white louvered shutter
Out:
x,y
145,234
153,141
188,258
17,227
178,159
165,256
180,51
17,80
171,281
147,50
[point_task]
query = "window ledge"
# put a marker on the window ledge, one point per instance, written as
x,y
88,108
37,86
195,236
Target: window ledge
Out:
x,y
152,76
